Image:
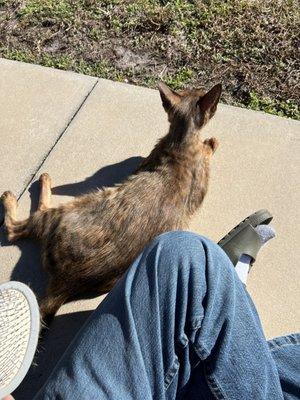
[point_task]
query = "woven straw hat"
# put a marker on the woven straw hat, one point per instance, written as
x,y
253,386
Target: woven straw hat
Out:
x,y
19,332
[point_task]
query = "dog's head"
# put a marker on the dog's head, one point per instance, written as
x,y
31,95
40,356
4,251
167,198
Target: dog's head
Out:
x,y
193,108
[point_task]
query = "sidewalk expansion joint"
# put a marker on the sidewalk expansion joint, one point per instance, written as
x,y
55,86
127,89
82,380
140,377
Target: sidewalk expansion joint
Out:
x,y
57,140
30,180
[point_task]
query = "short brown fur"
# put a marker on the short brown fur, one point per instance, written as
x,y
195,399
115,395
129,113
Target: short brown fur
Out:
x,y
88,243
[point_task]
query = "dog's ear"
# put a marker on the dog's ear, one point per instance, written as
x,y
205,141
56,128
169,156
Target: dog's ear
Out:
x,y
208,103
168,96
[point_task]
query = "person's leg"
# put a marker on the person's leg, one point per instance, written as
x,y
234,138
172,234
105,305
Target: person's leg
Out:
x,y
286,352
179,322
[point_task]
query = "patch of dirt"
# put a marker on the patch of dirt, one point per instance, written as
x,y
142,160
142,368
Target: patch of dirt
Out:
x,y
125,58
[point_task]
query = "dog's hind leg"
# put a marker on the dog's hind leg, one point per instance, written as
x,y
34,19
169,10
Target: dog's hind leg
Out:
x,y
45,192
15,229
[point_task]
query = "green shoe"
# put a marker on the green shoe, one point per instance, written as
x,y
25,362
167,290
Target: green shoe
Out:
x,y
243,239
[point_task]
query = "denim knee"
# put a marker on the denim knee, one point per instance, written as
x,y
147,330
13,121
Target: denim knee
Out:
x,y
178,245
178,240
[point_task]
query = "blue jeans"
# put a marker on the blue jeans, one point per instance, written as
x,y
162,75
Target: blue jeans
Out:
x,y
178,325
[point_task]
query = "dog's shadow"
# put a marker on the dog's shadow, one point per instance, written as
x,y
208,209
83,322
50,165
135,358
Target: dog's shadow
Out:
x,y
28,270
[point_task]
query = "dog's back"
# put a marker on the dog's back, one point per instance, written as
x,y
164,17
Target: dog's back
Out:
x,y
88,243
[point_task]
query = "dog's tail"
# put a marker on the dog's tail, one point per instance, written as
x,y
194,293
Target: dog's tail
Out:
x,y
50,305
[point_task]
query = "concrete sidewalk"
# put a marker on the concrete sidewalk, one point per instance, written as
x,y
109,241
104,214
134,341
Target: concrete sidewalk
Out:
x,y
77,128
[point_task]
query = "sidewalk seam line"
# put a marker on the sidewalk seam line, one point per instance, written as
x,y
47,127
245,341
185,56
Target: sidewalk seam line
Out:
x,y
30,180
58,139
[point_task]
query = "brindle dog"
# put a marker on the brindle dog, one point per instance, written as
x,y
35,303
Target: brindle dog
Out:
x,y
88,243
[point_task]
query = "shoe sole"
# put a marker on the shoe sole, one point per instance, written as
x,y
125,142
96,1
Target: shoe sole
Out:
x,y
32,337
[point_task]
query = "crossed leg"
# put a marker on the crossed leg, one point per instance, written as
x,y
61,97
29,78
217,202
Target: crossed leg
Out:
x,y
179,324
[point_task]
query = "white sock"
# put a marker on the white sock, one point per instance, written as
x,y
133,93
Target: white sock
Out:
x,y
265,232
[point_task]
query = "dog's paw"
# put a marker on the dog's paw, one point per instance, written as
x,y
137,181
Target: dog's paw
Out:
x,y
45,177
213,143
7,197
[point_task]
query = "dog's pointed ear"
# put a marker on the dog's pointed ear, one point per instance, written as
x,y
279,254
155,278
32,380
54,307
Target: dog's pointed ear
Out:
x,y
168,96
208,103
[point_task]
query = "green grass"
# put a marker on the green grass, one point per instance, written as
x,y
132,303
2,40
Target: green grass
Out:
x,y
100,69
181,78
280,108
35,10
250,46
